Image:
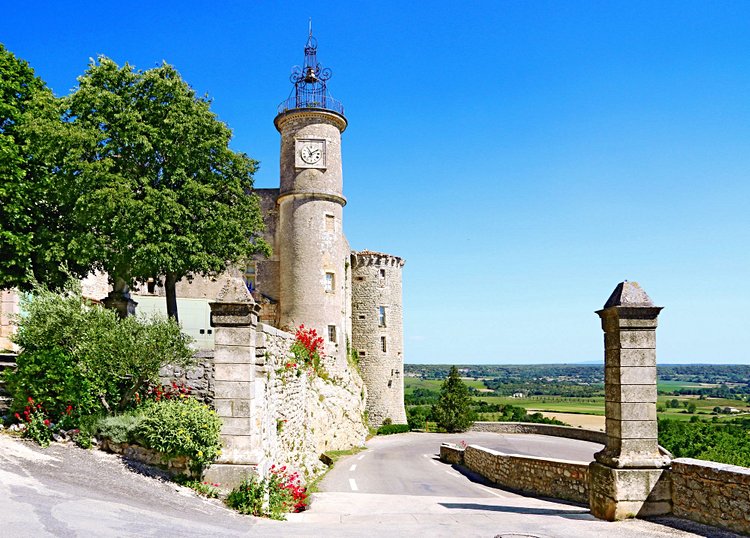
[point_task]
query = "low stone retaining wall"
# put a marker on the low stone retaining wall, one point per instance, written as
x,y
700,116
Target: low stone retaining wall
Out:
x,y
175,466
568,432
548,477
711,493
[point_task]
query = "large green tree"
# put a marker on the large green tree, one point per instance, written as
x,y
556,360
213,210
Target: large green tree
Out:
x,y
160,191
453,410
34,208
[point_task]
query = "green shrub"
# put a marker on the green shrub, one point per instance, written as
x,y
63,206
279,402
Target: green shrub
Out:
x,y
181,427
388,429
85,356
121,428
453,409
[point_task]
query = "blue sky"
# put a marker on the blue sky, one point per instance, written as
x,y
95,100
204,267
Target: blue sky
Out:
x,y
523,157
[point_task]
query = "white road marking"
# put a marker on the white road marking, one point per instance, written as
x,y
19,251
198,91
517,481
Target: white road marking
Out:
x,y
496,494
362,456
353,467
353,485
454,473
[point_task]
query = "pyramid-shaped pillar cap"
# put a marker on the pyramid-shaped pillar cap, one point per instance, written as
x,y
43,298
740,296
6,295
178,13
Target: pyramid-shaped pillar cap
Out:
x,y
629,294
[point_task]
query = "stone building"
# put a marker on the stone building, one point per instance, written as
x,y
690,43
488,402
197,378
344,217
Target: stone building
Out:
x,y
308,278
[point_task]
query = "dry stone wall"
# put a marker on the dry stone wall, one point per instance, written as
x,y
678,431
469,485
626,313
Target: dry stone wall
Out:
x,y
304,415
559,479
199,378
541,429
711,493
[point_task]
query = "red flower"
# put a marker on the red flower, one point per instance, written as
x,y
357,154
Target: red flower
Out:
x,y
18,417
46,422
30,400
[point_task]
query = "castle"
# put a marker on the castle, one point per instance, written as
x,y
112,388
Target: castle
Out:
x,y
313,278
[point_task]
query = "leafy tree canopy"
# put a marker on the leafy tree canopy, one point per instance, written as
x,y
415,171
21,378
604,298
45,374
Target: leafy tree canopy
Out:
x,y
454,411
161,193
34,227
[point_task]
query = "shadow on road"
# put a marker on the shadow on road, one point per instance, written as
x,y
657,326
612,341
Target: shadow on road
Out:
x,y
578,514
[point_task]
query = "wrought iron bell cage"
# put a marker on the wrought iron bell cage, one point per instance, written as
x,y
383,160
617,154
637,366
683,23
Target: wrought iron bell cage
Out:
x,y
309,81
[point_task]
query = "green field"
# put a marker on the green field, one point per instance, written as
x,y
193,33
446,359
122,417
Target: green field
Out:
x,y
592,405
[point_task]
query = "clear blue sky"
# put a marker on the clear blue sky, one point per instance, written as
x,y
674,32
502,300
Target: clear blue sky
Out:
x,y
523,157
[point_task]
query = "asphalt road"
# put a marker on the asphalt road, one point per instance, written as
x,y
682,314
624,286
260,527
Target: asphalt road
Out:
x,y
394,488
407,464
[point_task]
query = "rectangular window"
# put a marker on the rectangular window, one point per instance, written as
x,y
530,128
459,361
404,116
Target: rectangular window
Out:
x,y
362,354
382,277
332,333
382,344
330,281
249,276
329,223
361,316
381,316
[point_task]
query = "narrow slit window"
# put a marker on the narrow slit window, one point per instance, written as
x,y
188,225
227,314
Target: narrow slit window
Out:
x,y
332,333
381,316
330,281
362,354
383,345
381,277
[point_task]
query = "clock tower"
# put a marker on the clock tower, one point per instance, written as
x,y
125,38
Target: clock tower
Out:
x,y
313,254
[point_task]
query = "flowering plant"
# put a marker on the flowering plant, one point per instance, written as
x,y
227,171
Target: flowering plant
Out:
x,y
157,393
280,492
308,348
38,425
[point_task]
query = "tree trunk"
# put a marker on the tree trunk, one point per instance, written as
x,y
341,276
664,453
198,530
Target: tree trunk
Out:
x,y
170,283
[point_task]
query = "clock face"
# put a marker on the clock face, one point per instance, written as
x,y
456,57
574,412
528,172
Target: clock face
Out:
x,y
310,153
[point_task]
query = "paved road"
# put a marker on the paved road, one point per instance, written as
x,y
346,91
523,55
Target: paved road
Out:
x,y
65,491
408,464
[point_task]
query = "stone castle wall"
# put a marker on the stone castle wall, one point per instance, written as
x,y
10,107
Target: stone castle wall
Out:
x,y
304,415
711,493
376,284
560,479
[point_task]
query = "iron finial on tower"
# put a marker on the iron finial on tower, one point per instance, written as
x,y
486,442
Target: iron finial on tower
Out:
x,y
309,81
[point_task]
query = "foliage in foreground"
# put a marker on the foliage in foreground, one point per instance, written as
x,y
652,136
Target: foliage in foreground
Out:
x,y
453,411
80,360
277,494
728,443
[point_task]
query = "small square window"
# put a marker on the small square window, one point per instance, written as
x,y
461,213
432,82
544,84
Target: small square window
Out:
x,y
202,331
382,344
362,354
332,333
330,281
361,316
381,316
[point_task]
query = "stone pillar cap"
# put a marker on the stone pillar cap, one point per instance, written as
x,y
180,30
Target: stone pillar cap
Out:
x,y
629,294
234,290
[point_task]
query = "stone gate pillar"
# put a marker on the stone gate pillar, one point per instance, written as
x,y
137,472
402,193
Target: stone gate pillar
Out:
x,y
234,315
628,477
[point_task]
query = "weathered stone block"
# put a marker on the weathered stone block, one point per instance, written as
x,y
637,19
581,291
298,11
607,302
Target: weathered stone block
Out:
x,y
630,410
623,493
630,357
233,389
234,355
630,393
637,339
632,429
236,426
234,372
235,336
630,375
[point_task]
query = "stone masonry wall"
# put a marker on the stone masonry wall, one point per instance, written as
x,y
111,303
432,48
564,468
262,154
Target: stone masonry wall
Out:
x,y
711,493
305,415
559,479
198,378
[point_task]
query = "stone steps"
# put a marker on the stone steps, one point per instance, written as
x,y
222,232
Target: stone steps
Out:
x,y
7,362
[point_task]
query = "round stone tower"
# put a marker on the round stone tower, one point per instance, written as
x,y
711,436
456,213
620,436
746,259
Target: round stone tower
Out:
x,y
312,249
378,334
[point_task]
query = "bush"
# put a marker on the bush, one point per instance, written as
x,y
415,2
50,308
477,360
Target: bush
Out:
x,y
85,356
182,427
280,492
121,428
388,429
